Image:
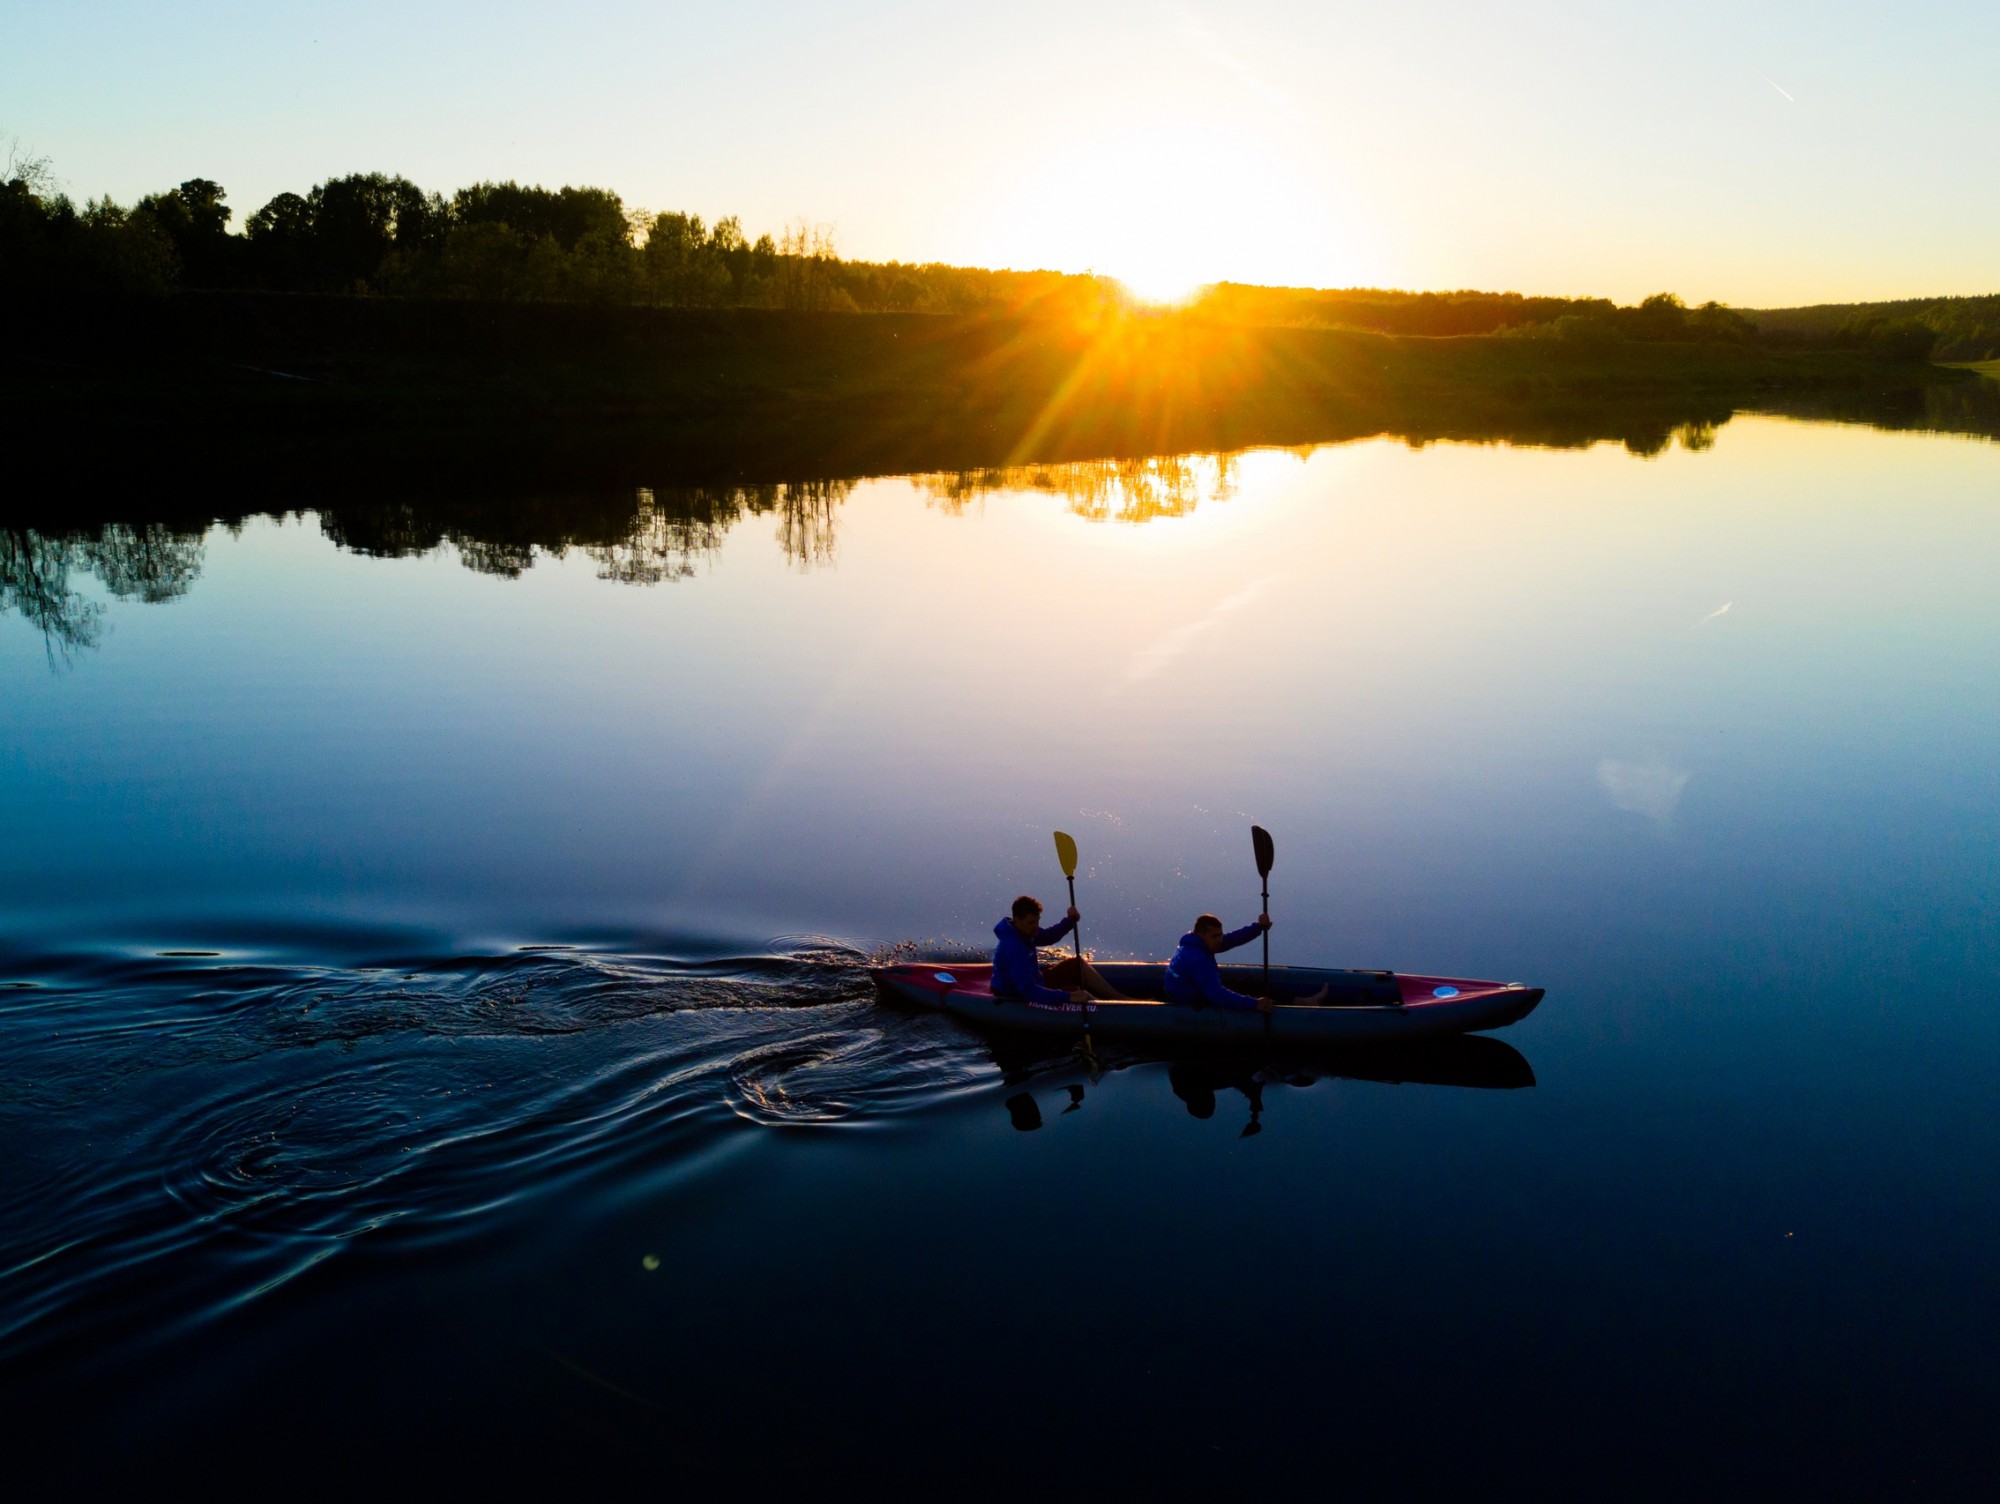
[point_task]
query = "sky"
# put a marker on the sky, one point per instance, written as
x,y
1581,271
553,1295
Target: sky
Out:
x,y
1763,155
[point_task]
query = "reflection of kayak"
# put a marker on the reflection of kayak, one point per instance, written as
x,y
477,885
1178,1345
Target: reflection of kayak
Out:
x,y
1474,1060
1360,1007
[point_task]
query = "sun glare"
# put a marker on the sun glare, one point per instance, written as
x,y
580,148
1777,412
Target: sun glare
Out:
x,y
1164,283
1169,210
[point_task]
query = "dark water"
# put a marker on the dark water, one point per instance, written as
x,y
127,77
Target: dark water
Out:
x,y
438,1044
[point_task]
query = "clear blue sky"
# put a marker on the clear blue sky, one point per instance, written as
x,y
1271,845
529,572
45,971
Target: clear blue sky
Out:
x,y
1766,154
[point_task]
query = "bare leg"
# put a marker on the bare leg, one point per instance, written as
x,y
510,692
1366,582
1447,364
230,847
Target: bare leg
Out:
x,y
1306,1000
1097,987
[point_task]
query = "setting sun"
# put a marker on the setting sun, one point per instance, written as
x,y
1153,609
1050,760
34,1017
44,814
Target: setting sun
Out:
x,y
1167,209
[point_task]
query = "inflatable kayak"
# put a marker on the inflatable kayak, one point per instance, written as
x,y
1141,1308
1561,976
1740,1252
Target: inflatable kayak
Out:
x,y
1361,1007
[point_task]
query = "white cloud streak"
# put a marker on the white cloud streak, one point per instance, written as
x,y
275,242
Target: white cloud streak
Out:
x,y
1158,656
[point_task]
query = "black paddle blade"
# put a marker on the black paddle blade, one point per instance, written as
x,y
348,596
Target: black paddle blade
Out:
x,y
1260,842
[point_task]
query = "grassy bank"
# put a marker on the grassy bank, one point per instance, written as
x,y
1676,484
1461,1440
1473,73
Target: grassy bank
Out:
x,y
336,385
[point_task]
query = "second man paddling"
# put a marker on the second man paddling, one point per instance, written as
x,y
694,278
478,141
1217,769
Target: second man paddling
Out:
x,y
1194,979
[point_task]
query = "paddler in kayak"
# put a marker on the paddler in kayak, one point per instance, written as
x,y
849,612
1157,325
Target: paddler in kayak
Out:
x,y
1018,975
1194,980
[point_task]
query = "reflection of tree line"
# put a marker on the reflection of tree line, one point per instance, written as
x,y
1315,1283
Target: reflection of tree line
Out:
x,y
650,536
640,537
1971,408
1115,490
675,531
40,575
645,536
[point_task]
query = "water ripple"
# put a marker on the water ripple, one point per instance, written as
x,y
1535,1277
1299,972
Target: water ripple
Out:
x,y
857,1071
197,1130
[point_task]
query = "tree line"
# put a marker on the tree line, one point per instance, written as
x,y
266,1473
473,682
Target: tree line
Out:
x,y
380,234
1947,328
1661,317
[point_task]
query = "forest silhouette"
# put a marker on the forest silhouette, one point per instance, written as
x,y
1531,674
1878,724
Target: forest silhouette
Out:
x,y
380,234
509,335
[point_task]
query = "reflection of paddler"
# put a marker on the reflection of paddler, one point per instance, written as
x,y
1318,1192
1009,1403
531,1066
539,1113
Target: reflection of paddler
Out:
x,y
1016,974
1195,1087
1197,1084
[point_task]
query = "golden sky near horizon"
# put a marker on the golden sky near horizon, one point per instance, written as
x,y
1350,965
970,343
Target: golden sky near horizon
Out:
x,y
1801,153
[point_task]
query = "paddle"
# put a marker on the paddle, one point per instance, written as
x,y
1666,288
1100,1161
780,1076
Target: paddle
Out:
x,y
1260,846
1066,854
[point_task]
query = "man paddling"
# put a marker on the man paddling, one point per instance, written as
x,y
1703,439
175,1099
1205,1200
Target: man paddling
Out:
x,y
1193,978
1018,975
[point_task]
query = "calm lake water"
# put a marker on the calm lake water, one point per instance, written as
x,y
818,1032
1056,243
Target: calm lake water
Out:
x,y
437,1038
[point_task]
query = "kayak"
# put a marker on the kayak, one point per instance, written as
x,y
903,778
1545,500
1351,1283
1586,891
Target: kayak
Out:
x,y
1361,1007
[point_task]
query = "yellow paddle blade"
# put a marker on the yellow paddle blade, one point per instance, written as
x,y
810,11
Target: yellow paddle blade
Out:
x,y
1066,853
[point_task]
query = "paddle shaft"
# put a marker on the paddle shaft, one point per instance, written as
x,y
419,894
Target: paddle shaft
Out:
x,y
1267,936
1076,934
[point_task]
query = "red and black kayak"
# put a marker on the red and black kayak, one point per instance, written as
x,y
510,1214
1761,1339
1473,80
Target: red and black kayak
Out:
x,y
1361,1007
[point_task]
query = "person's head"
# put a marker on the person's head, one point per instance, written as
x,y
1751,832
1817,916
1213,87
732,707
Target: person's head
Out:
x,y
1027,914
1208,930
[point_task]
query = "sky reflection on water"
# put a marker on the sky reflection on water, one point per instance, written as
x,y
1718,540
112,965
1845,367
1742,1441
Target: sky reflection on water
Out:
x,y
1469,675
1704,743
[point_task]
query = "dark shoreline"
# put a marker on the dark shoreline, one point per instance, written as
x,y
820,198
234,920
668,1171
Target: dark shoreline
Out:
x,y
241,394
